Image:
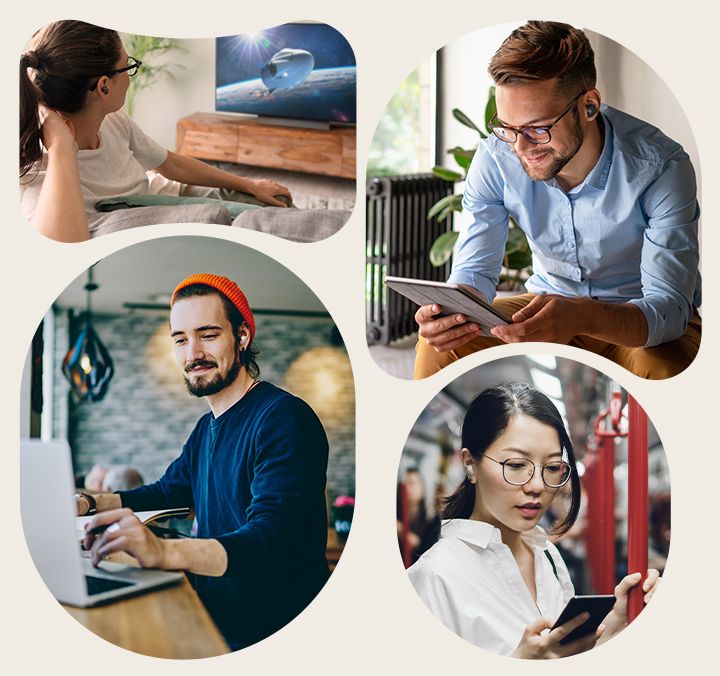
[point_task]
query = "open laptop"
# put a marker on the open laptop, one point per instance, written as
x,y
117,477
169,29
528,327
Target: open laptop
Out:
x,y
48,518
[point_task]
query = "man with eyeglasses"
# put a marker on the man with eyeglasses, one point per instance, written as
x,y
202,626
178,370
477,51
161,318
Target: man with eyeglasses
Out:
x,y
608,204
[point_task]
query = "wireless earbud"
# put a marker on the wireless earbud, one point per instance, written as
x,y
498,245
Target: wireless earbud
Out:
x,y
104,89
243,340
591,110
470,472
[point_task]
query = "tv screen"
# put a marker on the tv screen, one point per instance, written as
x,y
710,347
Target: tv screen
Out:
x,y
297,70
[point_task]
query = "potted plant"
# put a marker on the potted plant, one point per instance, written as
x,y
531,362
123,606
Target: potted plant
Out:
x,y
517,262
147,49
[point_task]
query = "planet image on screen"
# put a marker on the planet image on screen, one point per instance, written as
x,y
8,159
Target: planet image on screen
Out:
x,y
324,93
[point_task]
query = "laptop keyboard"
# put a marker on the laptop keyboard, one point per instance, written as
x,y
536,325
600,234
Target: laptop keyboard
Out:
x,y
98,585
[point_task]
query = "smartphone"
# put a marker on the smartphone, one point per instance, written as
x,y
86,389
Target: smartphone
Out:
x,y
598,606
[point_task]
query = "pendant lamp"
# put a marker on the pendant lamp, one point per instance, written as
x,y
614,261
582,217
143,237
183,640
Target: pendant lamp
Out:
x,y
87,365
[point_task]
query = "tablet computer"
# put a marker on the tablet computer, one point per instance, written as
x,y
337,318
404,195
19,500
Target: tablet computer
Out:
x,y
452,299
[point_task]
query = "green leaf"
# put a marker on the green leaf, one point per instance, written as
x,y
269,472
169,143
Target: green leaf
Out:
x,y
442,248
464,119
490,109
447,174
450,201
462,157
518,260
516,241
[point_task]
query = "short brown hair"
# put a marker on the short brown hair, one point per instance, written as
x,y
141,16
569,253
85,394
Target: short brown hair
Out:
x,y
545,50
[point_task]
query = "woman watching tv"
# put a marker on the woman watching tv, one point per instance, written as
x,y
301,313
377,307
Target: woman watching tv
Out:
x,y
494,577
78,147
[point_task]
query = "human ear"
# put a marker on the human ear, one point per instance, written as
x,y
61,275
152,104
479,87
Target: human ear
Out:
x,y
468,462
592,104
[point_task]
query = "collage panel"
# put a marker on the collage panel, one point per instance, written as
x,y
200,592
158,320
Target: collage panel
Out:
x,y
189,411
533,507
194,417
261,123
533,182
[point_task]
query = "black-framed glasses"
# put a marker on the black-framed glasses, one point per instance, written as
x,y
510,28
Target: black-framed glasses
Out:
x,y
536,135
131,69
519,471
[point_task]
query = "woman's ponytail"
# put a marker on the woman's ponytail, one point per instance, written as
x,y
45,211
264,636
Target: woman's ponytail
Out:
x,y
461,503
30,136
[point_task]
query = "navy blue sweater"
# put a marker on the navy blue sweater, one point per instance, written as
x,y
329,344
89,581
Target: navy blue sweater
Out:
x,y
256,479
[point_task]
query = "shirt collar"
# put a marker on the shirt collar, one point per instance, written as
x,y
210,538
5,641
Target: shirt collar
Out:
x,y
484,535
597,178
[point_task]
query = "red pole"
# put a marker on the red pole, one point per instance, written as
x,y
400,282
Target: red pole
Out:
x,y
591,492
606,535
404,517
607,428
637,502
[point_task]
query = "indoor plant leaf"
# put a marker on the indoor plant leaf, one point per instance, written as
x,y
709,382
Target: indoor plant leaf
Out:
x,y
464,119
447,174
442,248
453,202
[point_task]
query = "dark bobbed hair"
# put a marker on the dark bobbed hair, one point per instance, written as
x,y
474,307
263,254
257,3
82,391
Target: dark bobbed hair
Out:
x,y
545,50
65,57
487,418
248,356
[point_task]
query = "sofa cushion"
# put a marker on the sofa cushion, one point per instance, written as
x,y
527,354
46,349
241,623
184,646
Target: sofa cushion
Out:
x,y
297,225
133,218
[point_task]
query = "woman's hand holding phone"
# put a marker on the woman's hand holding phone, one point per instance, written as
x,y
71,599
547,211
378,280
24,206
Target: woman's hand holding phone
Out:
x,y
534,645
616,620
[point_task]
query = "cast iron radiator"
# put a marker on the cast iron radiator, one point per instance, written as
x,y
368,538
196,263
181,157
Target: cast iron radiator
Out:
x,y
399,237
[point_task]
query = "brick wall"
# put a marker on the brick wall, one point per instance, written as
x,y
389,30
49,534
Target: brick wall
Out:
x,y
147,414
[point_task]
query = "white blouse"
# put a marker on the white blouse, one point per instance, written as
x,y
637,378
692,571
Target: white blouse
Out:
x,y
471,582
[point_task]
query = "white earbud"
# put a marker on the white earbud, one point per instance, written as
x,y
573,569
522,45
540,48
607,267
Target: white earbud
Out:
x,y
243,340
470,472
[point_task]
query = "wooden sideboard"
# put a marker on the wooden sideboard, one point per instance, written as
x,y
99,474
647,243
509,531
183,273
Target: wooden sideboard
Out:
x,y
245,140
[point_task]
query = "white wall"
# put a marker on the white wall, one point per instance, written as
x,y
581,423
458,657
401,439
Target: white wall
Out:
x,y
626,82
192,89
465,82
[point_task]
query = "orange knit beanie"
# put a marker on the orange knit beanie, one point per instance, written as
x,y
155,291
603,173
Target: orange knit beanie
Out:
x,y
227,288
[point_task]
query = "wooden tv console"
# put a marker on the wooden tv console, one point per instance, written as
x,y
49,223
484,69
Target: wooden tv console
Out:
x,y
231,138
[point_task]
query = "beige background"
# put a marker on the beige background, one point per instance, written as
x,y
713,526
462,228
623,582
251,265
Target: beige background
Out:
x,y
368,617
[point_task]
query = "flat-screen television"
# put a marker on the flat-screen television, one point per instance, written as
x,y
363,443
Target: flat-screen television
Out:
x,y
303,71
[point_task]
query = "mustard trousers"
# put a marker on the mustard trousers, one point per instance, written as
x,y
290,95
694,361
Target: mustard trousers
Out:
x,y
654,363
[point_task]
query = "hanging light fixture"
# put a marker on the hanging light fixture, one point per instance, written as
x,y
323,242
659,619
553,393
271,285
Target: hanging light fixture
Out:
x,y
87,365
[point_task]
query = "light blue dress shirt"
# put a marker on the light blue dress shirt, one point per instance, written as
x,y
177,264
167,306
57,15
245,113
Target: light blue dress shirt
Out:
x,y
627,233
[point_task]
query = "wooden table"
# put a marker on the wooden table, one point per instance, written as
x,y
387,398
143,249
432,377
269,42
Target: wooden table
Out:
x,y
170,622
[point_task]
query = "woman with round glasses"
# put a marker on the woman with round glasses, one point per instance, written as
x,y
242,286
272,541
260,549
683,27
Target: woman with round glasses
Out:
x,y
78,147
494,577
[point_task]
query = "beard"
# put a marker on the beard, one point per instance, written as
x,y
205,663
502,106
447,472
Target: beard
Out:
x,y
205,388
558,159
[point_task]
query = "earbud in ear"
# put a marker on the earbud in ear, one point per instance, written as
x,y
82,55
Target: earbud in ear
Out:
x,y
243,340
591,110
470,472
104,89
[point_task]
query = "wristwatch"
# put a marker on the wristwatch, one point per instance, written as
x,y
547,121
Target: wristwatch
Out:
x,y
92,504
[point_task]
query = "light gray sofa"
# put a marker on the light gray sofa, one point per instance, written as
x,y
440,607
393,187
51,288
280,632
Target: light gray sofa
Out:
x,y
297,225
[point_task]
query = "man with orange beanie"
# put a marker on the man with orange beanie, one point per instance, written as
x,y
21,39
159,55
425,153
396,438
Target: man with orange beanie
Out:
x,y
253,469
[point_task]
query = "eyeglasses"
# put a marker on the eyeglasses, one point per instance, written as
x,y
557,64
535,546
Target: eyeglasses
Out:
x,y
536,135
131,69
519,471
